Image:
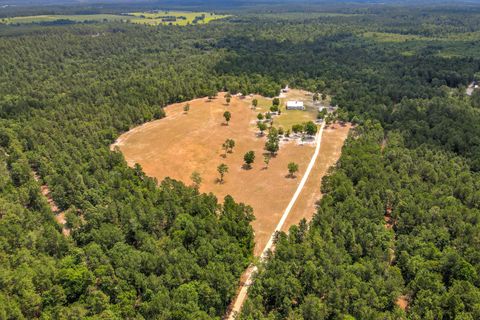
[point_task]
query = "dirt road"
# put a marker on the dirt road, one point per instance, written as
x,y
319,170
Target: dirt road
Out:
x,y
242,295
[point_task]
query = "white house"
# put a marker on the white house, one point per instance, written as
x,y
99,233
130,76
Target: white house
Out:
x,y
295,105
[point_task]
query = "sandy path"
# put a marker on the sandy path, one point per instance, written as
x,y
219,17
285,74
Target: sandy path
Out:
x,y
242,295
59,215
330,151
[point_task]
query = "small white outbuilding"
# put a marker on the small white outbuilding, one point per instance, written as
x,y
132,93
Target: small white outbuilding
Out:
x,y
295,105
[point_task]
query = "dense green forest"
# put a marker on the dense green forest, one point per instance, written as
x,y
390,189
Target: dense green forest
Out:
x,y
139,248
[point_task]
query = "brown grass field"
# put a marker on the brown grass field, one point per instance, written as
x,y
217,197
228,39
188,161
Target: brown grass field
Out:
x,y
185,142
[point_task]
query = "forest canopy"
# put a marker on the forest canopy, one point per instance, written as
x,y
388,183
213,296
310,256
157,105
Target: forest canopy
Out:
x,y
146,249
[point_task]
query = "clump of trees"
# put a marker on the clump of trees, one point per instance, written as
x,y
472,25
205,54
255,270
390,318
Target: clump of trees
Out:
x,y
322,114
262,126
272,144
275,105
309,128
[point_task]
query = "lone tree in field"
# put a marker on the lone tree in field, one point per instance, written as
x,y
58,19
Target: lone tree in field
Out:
x,y
222,169
249,157
196,179
186,108
273,142
228,146
292,169
228,97
324,96
254,103
260,117
262,127
266,160
227,115
310,128
225,148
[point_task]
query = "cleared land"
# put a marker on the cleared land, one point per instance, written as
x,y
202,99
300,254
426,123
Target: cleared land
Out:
x,y
186,142
149,18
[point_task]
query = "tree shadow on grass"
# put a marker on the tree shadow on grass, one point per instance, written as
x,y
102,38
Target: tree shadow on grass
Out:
x,y
272,156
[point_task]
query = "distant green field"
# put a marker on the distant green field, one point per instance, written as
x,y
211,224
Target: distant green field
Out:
x,y
446,45
149,18
76,18
174,17
393,37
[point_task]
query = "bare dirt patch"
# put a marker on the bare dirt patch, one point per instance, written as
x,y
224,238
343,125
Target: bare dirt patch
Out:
x,y
402,302
185,142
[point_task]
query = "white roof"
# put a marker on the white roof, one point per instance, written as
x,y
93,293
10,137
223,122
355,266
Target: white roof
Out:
x,y
292,103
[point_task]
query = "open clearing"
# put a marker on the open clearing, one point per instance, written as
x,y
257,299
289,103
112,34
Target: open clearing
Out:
x,y
182,143
149,18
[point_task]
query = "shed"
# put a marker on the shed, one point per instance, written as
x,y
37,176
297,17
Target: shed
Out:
x,y
295,105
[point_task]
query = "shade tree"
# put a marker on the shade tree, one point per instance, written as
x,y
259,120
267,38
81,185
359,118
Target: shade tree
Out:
x,y
254,103
227,115
310,128
249,158
262,126
292,169
272,144
222,169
